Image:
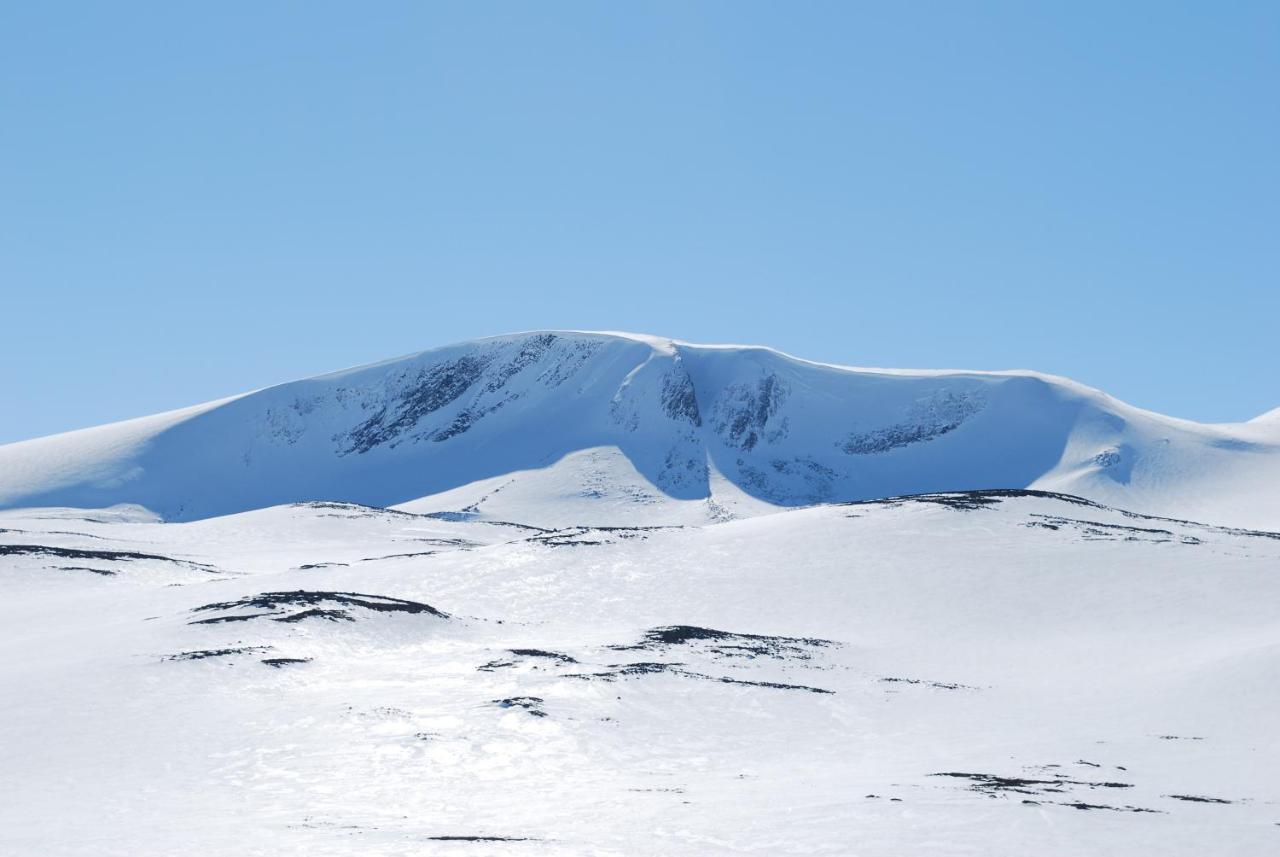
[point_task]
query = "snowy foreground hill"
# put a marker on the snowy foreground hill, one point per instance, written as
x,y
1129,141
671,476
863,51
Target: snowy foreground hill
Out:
x,y
563,594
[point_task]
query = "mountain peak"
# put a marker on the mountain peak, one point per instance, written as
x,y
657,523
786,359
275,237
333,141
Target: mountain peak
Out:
x,y
688,423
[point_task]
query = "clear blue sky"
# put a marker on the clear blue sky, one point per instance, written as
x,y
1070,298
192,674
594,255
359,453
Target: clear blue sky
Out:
x,y
200,199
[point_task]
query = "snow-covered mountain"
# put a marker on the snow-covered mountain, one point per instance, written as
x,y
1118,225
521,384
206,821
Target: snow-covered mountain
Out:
x,y
580,613
673,431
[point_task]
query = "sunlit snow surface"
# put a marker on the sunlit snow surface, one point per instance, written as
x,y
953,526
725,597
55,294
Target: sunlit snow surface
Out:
x,y
622,603
989,674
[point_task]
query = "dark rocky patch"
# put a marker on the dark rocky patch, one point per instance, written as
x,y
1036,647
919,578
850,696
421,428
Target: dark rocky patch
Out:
x,y
892,437
102,571
218,620
425,393
771,684
526,653
435,541
283,662
355,510
458,517
530,704
462,423
941,685
1230,531
978,499
994,783
314,565
678,398
926,420
959,502
640,668
574,540
107,555
743,412
895,437
55,533
329,615
1099,531
1200,799
202,654
399,556
541,653
414,395
531,351
1089,806
584,536
728,643
616,671
332,606
480,839
470,513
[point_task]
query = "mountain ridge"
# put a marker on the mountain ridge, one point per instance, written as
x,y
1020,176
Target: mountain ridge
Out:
x,y
778,429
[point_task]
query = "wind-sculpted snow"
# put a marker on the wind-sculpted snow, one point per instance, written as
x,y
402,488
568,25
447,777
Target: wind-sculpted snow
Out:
x,y
998,672
694,433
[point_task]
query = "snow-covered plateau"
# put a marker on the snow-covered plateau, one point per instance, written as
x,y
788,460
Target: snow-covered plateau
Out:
x,y
571,593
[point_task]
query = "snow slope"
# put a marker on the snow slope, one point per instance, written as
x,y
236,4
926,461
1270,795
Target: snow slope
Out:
x,y
694,430
998,674
580,613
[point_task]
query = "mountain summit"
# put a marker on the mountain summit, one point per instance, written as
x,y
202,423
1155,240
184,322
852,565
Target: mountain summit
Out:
x,y
671,428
